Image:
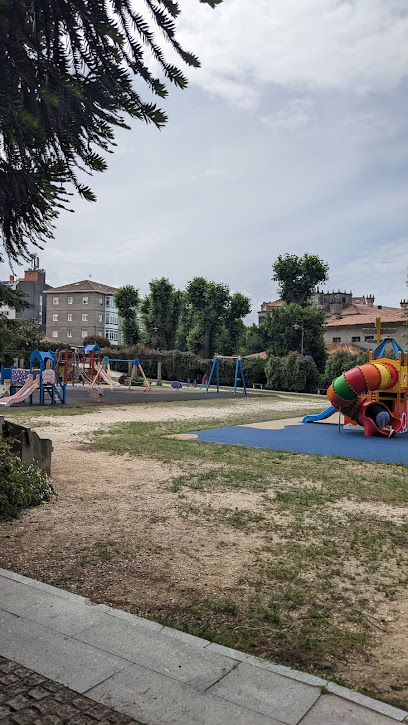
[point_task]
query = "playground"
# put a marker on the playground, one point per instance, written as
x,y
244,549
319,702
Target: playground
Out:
x,y
299,558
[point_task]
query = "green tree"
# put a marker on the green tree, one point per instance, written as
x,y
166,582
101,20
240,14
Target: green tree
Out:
x,y
160,314
18,335
285,327
127,301
216,318
209,303
298,276
254,341
67,72
239,306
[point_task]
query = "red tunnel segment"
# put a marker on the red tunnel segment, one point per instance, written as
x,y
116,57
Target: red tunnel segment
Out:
x,y
372,376
356,380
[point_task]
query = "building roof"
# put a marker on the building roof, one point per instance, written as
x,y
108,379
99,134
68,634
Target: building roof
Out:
x,y
86,285
266,306
357,314
332,347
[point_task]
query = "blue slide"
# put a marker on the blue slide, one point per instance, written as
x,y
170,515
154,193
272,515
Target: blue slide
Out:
x,y
319,416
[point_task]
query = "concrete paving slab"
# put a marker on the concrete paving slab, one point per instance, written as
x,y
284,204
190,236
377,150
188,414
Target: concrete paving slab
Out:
x,y
65,616
159,700
160,653
132,618
186,637
61,593
267,692
360,699
6,616
337,711
65,660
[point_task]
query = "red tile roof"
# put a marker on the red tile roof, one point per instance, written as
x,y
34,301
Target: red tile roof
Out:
x,y
365,315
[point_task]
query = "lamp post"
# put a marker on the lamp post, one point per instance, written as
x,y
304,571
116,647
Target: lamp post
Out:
x,y
296,326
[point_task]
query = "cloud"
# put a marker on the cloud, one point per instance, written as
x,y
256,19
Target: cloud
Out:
x,y
298,113
357,46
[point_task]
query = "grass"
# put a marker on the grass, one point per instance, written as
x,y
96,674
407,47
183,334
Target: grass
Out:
x,y
324,557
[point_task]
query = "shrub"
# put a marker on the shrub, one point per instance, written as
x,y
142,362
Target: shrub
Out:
x,y
97,340
296,373
21,486
274,373
340,361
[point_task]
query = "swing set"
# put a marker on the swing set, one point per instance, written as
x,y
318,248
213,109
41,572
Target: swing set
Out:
x,y
238,370
137,366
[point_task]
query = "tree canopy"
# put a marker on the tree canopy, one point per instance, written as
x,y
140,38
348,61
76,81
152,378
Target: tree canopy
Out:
x,y
67,73
298,276
127,301
160,314
284,327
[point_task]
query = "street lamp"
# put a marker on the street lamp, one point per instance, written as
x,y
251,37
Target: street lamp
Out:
x,y
296,326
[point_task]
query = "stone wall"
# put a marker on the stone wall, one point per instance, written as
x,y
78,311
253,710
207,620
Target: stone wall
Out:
x,y
27,445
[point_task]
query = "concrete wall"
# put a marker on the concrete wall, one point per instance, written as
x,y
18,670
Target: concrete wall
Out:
x,y
27,445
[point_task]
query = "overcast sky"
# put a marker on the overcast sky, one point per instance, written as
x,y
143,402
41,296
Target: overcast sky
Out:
x,y
292,137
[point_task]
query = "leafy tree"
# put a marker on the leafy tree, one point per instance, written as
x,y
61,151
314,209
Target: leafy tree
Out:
x,y
96,340
254,341
67,74
282,332
13,298
298,276
18,335
215,317
127,301
160,314
239,307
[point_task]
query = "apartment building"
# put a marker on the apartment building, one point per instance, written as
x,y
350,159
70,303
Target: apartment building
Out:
x,y
33,286
80,309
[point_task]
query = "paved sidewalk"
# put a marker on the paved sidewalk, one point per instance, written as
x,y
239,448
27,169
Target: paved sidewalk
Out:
x,y
155,675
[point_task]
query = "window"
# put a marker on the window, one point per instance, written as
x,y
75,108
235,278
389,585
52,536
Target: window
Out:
x,y
369,338
55,300
85,300
84,318
101,300
108,302
69,333
70,300
336,339
55,317
100,318
84,333
355,339
55,333
70,317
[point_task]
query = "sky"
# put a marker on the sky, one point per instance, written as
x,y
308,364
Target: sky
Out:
x,y
290,138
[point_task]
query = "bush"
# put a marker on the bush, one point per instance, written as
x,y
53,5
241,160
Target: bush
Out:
x,y
274,373
97,340
295,373
21,486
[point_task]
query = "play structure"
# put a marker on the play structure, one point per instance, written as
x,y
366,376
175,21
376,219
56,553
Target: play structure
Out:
x,y
137,367
238,371
380,384
41,376
104,371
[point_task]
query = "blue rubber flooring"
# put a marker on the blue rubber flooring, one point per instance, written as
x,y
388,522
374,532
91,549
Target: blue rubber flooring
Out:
x,y
315,439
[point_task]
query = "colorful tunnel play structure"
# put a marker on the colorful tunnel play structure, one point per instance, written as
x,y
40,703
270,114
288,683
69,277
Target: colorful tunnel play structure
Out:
x,y
363,390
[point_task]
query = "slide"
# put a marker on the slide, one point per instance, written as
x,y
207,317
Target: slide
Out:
x,y
319,416
107,379
28,388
